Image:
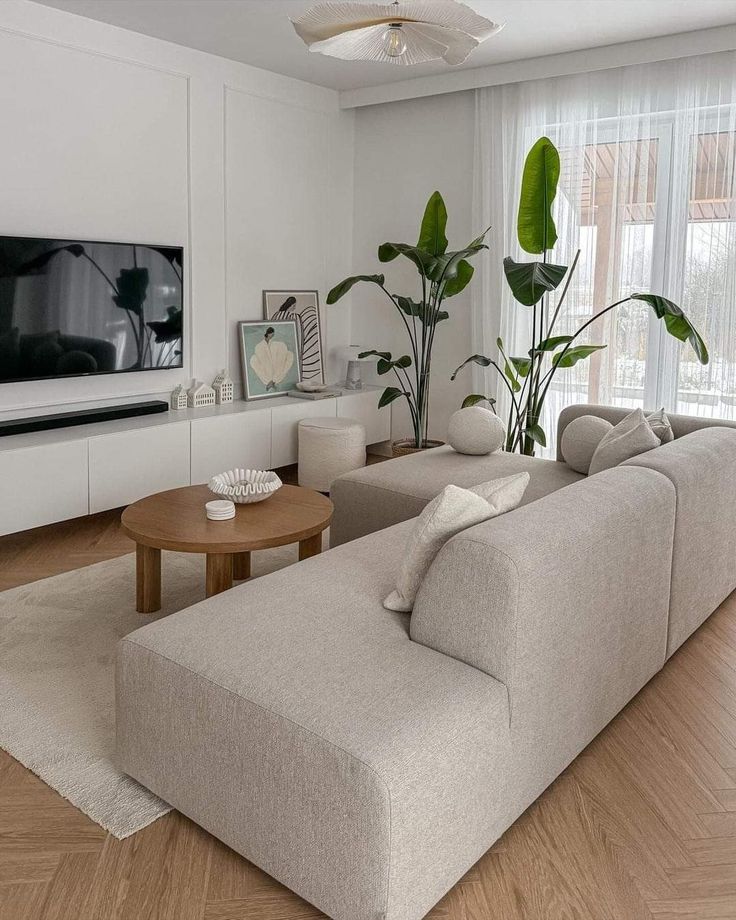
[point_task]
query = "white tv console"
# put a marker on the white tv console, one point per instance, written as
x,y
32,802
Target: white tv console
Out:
x,y
50,476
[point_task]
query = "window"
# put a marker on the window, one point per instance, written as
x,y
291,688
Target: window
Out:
x,y
634,234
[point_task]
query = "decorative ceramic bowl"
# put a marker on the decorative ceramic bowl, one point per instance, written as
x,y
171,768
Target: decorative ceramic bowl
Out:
x,y
245,486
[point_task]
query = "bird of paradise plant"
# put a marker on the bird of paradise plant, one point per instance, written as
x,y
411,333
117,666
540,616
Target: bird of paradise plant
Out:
x,y
529,377
442,274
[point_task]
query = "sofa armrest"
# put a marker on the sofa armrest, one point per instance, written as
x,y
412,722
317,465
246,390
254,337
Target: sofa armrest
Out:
x,y
564,600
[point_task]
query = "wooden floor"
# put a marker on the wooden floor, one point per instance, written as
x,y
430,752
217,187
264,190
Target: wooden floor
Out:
x,y
642,825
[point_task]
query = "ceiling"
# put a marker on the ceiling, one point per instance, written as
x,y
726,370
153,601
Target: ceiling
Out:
x,y
258,32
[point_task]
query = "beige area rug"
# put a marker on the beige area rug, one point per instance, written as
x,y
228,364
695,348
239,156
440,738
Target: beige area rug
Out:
x,y
57,669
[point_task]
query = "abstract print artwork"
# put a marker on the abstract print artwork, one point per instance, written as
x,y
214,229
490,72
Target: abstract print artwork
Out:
x,y
269,357
303,308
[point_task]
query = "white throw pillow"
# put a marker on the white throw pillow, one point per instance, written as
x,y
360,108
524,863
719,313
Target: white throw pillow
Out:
x,y
660,425
475,430
631,437
453,510
503,494
580,440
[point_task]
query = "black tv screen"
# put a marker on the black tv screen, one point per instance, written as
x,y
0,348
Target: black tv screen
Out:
x,y
69,308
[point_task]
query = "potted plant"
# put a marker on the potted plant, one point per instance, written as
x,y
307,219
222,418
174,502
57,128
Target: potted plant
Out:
x,y
442,274
529,377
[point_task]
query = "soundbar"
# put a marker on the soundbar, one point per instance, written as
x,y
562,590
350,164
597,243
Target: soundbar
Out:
x,y
80,417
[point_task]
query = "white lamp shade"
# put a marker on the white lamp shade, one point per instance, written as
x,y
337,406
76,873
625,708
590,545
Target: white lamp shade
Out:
x,y
431,29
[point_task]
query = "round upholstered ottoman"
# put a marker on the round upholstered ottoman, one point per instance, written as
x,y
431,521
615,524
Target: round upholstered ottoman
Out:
x,y
329,447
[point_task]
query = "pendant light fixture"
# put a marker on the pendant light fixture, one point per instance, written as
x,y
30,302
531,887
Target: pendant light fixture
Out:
x,y
409,32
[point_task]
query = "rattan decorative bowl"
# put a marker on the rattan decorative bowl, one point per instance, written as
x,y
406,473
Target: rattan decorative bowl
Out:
x,y
245,486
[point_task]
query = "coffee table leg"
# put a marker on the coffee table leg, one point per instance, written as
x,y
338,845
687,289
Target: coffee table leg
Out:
x,y
312,546
241,566
219,573
147,579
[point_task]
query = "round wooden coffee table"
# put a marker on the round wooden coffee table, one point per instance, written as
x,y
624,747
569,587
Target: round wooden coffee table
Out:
x,y
176,520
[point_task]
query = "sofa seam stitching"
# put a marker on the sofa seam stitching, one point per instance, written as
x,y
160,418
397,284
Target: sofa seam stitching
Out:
x,y
273,712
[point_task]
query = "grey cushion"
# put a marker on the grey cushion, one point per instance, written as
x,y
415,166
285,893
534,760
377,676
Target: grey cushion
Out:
x,y
632,436
294,719
580,440
702,468
660,425
377,496
681,424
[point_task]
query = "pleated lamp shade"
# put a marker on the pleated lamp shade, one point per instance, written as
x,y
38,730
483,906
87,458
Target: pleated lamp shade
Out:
x,y
410,32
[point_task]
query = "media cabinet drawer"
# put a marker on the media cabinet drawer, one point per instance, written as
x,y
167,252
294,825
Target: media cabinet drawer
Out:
x,y
42,485
129,465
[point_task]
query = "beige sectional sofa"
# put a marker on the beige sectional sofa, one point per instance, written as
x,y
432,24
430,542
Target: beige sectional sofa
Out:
x,y
366,758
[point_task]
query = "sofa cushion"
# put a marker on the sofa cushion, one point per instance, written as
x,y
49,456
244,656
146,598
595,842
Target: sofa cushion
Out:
x,y
293,718
681,424
453,510
383,494
660,424
632,436
580,440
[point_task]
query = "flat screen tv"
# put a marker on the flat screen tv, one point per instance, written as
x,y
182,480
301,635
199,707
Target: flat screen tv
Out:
x,y
69,308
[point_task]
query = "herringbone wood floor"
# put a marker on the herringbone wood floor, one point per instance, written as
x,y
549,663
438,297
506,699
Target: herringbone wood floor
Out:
x,y
642,826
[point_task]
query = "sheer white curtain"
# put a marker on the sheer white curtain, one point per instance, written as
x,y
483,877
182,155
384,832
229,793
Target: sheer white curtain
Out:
x,y
647,196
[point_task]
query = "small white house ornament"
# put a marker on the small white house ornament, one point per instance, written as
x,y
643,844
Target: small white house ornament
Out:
x,y
200,395
178,398
223,387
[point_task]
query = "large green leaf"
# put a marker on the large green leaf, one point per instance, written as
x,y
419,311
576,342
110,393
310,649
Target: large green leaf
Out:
x,y
417,308
384,365
461,280
571,357
446,268
474,398
508,367
424,261
522,365
536,433
389,395
554,341
535,226
473,359
676,323
530,281
341,289
432,237
386,355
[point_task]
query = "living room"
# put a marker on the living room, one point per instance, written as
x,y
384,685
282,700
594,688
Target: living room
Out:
x,y
366,410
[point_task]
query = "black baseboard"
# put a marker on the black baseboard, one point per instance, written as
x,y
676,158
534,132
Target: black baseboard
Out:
x,y
80,417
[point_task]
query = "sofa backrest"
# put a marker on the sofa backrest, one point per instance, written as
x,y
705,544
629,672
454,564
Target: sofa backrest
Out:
x,y
564,600
681,424
702,468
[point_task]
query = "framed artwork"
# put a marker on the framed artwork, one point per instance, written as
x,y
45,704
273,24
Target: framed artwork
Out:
x,y
303,308
269,357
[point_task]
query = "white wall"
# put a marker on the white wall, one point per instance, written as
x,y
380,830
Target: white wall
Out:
x,y
403,152
111,135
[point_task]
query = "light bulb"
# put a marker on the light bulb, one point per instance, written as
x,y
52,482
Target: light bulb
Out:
x,y
393,40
